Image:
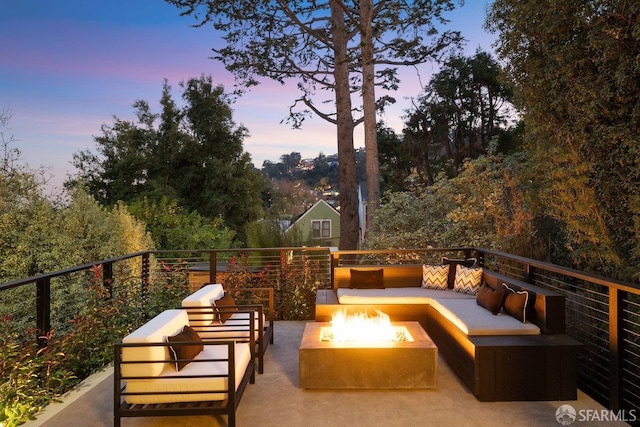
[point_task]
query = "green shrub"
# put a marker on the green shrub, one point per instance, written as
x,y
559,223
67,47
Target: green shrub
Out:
x,y
295,283
169,289
30,377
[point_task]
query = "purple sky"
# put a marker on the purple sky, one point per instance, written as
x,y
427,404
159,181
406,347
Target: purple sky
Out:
x,y
69,66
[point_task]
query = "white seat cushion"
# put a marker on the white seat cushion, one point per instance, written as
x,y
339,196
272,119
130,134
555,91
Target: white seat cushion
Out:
x,y
170,380
203,297
165,324
475,320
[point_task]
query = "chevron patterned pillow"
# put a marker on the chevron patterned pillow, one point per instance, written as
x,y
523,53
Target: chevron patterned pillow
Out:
x,y
435,276
467,279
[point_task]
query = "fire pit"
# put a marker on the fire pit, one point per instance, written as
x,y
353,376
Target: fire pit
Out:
x,y
406,358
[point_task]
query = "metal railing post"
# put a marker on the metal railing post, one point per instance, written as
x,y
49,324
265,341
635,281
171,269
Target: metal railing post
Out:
x,y
335,259
530,276
480,256
616,296
43,310
213,267
144,281
283,266
107,277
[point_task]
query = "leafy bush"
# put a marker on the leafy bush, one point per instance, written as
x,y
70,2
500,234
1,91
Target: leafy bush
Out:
x,y
30,377
298,291
170,288
295,283
486,205
88,346
174,228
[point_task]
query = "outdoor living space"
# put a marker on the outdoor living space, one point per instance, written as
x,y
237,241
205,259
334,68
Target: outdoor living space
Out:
x,y
598,387
277,400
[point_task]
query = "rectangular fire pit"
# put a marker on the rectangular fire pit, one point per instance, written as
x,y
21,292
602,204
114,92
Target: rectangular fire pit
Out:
x,y
403,364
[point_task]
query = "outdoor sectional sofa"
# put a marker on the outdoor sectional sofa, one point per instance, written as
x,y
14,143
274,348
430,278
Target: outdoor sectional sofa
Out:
x,y
163,368
498,357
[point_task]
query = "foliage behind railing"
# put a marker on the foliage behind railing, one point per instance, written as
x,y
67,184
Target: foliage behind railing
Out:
x,y
294,273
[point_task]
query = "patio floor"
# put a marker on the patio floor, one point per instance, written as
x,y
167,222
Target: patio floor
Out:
x,y
275,400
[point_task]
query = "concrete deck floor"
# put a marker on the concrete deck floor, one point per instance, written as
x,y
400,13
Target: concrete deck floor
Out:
x,y
276,401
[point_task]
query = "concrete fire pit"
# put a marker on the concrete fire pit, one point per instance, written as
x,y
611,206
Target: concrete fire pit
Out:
x,y
349,365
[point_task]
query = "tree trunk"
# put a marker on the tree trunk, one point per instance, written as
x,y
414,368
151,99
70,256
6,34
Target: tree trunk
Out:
x,y
349,230
372,165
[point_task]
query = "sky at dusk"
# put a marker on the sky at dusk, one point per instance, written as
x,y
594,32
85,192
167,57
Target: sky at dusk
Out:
x,y
69,66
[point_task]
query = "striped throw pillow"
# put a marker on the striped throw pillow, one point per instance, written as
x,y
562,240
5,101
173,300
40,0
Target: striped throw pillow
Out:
x,y
435,276
467,280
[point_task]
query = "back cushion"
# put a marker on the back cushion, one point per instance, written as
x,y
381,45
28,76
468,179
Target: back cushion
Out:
x,y
467,279
224,308
203,297
367,279
435,276
491,299
187,351
156,330
516,303
394,276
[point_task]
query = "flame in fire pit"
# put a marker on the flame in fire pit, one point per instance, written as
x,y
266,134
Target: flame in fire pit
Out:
x,y
361,327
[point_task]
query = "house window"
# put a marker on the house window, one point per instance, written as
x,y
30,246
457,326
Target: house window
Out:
x,y
321,228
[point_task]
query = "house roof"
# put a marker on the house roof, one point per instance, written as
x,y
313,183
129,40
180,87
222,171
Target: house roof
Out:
x,y
305,213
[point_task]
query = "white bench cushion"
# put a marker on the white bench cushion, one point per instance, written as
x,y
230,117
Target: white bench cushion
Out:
x,y
408,295
203,297
474,320
170,381
165,324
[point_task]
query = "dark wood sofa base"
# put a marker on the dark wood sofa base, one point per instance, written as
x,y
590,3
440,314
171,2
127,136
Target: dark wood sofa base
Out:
x,y
508,368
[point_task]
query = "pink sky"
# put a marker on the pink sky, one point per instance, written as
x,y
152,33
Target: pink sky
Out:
x,y
69,66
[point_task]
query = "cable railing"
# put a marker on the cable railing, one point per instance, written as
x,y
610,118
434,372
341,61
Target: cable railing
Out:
x,y
603,314
51,301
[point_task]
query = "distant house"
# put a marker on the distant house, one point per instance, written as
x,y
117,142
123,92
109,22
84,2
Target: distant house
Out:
x,y
305,165
318,226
